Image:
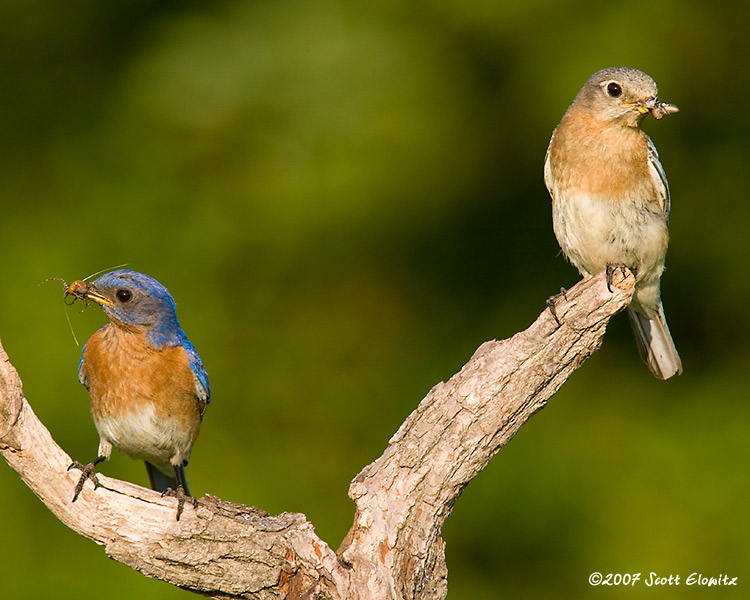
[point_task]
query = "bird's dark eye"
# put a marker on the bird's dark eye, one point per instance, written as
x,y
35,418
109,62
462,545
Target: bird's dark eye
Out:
x,y
614,89
123,295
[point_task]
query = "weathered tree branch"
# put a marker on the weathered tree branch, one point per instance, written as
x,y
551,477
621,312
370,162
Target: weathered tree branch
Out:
x,y
393,549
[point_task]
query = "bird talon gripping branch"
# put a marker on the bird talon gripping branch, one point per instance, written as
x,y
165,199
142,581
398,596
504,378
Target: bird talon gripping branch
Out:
x,y
182,497
551,304
611,270
88,472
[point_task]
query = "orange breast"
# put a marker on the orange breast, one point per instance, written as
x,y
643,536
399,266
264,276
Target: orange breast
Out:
x,y
605,160
124,374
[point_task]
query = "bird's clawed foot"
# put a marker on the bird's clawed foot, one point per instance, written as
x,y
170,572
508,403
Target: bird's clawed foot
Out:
x,y
612,269
181,496
552,302
89,472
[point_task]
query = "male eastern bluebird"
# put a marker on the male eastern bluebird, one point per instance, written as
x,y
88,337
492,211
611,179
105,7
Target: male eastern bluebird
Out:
x,y
610,199
147,384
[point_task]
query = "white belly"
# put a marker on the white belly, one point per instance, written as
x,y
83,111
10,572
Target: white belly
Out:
x,y
594,232
142,436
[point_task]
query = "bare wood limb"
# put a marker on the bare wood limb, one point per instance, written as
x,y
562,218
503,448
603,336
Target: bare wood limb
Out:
x,y
404,497
394,549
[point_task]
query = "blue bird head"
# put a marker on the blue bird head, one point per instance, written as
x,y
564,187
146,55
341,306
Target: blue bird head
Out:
x,y
136,301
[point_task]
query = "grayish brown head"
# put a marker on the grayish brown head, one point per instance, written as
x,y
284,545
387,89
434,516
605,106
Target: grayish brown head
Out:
x,y
622,94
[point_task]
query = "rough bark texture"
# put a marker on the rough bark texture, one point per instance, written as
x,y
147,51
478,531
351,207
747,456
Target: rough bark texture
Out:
x,y
394,549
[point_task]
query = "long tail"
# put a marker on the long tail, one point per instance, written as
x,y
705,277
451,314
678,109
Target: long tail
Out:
x,y
162,482
655,343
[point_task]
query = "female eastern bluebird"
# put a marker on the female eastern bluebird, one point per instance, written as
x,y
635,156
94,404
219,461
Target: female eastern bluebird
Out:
x,y
147,384
610,199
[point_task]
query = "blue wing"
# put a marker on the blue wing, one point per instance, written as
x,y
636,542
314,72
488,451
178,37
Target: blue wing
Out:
x,y
202,388
658,177
81,378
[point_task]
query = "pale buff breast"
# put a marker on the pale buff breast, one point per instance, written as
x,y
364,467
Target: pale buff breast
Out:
x,y
605,206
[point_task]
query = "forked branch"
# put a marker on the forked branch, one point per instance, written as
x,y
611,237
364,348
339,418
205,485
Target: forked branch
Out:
x,y
394,549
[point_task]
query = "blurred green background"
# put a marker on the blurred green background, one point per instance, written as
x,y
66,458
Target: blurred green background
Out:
x,y
346,199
